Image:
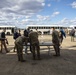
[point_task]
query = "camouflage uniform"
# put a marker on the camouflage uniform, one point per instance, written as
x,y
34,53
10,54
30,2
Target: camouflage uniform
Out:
x,y
3,41
72,33
33,36
55,40
19,46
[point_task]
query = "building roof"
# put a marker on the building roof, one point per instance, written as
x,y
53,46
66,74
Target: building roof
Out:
x,y
72,25
6,26
45,26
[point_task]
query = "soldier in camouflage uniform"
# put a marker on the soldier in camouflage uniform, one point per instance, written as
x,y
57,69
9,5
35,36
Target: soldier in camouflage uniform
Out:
x,y
56,42
19,46
33,36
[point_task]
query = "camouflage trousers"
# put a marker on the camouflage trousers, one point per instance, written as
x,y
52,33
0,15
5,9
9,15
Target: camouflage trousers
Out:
x,y
57,49
19,51
35,47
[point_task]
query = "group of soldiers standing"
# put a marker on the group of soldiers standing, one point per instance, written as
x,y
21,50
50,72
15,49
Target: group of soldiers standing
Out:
x,y
29,36
32,37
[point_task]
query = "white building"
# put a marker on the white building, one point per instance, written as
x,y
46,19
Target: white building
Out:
x,y
44,28
73,26
9,29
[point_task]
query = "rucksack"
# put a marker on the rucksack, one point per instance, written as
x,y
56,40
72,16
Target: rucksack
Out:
x,y
16,35
25,33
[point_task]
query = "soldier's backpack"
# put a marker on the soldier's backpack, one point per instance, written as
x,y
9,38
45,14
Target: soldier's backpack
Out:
x,y
16,35
25,33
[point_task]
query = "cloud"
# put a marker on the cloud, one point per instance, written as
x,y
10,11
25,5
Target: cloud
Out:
x,y
23,7
73,4
43,4
14,12
38,20
55,14
49,5
55,0
64,21
43,18
67,22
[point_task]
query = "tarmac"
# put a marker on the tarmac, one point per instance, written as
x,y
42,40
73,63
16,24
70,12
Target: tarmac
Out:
x,y
48,65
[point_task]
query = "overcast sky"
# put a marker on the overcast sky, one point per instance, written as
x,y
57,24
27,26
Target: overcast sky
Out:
x,y
24,12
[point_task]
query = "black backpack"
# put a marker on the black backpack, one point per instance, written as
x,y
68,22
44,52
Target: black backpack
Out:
x,y
16,35
25,33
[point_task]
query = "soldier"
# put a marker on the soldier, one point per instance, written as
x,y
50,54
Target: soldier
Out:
x,y
56,42
62,34
34,42
19,46
72,33
26,32
4,41
16,35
